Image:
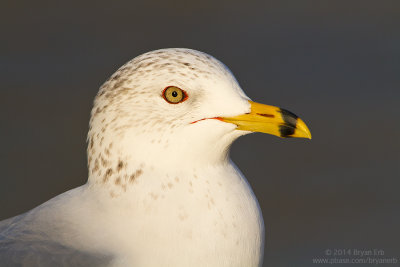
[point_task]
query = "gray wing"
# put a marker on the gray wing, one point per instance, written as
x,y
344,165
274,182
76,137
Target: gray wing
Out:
x,y
20,246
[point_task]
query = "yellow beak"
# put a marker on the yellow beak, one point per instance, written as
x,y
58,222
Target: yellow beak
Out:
x,y
271,120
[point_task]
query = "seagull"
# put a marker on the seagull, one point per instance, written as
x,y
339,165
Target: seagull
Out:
x,y
161,188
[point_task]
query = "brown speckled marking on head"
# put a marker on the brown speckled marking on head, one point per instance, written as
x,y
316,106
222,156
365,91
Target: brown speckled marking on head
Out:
x,y
104,162
102,92
118,181
170,185
135,175
119,83
120,165
110,145
107,175
130,90
124,90
96,165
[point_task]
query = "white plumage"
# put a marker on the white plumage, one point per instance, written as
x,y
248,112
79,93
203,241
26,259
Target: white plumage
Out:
x,y
162,190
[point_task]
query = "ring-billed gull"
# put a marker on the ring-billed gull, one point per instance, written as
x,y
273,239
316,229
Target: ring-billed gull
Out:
x,y
161,188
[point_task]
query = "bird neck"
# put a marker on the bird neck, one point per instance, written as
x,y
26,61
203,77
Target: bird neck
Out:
x,y
118,166
120,158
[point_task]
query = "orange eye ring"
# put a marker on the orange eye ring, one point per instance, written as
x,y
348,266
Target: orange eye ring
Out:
x,y
174,95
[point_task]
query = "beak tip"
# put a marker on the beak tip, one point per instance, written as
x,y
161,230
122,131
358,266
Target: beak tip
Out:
x,y
302,129
307,134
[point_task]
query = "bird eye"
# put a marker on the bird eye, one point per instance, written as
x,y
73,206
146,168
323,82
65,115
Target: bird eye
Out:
x,y
174,95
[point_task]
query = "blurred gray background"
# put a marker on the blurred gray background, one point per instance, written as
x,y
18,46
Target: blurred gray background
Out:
x,y
336,64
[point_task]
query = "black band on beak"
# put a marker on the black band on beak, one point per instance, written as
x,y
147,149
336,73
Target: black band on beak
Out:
x,y
289,127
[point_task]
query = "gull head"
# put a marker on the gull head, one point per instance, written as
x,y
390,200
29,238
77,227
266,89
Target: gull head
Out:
x,y
176,107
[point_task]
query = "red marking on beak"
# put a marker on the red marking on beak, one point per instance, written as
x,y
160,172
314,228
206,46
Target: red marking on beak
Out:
x,y
215,118
266,115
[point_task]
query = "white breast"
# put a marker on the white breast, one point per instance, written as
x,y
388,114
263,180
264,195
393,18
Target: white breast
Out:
x,y
209,217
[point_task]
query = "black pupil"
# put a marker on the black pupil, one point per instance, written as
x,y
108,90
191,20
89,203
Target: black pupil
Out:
x,y
174,94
